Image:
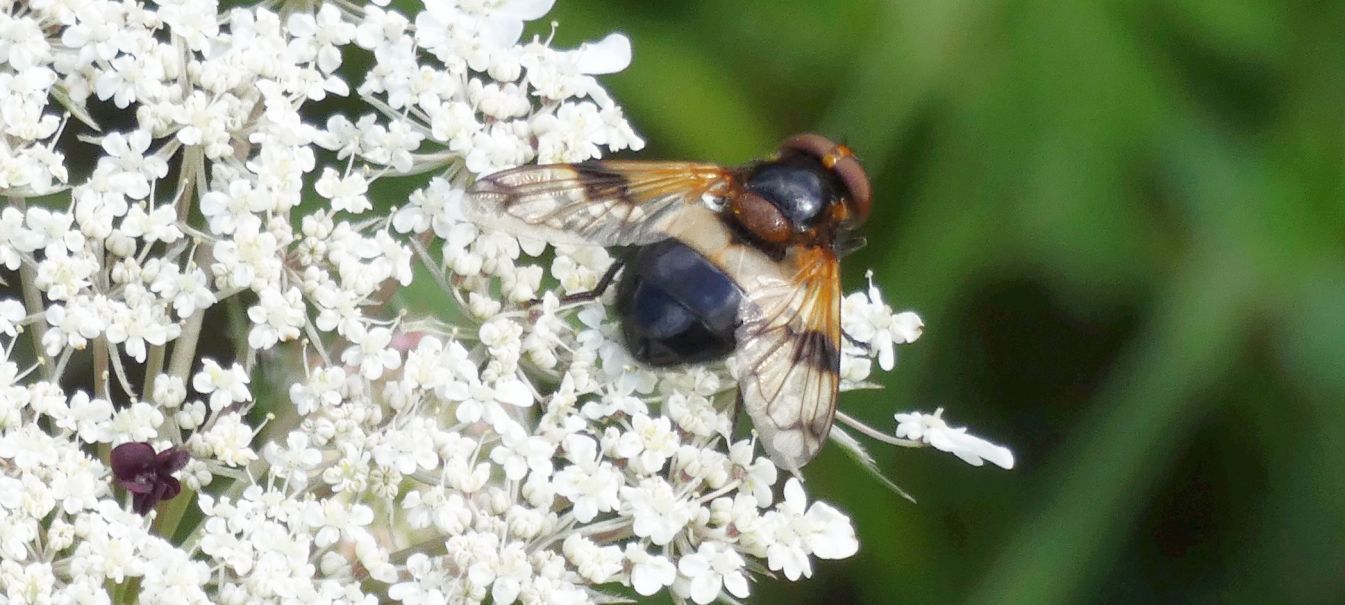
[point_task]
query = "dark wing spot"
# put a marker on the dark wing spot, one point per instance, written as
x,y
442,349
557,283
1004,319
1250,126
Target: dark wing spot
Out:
x,y
602,183
816,349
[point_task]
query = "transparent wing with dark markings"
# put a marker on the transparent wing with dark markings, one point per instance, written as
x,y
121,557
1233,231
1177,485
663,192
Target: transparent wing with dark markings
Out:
x,y
788,361
608,203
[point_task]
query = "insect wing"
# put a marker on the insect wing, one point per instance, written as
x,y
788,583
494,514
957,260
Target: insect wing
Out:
x,y
788,361
608,203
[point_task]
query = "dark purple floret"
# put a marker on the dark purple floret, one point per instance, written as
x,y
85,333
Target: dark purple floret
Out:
x,y
147,475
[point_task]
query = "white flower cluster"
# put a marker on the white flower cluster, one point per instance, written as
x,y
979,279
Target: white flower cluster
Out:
x,y
504,451
63,537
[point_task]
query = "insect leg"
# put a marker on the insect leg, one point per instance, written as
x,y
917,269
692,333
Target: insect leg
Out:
x,y
856,342
735,412
599,289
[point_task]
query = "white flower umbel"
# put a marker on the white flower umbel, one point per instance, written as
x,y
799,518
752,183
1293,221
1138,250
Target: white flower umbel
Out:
x,y
204,327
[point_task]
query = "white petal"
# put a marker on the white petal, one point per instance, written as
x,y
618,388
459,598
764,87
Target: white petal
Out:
x,y
513,392
526,10
607,56
704,588
789,560
972,446
693,566
505,590
907,327
651,576
887,357
644,581
795,500
736,584
502,31
837,539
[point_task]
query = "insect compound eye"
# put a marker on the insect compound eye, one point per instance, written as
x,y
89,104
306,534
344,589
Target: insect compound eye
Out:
x,y
761,218
857,182
812,144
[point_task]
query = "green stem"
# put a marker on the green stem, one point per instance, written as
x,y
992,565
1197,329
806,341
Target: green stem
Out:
x,y
101,375
100,388
32,301
184,348
152,369
128,591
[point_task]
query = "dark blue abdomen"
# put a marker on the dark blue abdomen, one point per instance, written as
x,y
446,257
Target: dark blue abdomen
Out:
x,y
675,306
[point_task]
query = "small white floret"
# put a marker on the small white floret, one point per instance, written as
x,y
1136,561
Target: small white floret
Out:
x,y
931,429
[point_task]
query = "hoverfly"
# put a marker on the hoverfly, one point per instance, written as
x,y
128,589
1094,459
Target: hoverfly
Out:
x,y
722,259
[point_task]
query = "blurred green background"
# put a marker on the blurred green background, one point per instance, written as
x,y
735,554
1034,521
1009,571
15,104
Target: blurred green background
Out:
x,y
1123,223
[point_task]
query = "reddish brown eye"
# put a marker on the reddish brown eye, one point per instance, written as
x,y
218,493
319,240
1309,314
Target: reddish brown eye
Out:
x,y
812,144
857,181
761,218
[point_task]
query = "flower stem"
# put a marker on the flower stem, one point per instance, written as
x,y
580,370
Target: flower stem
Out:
x,y
101,375
184,348
32,300
152,369
867,430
